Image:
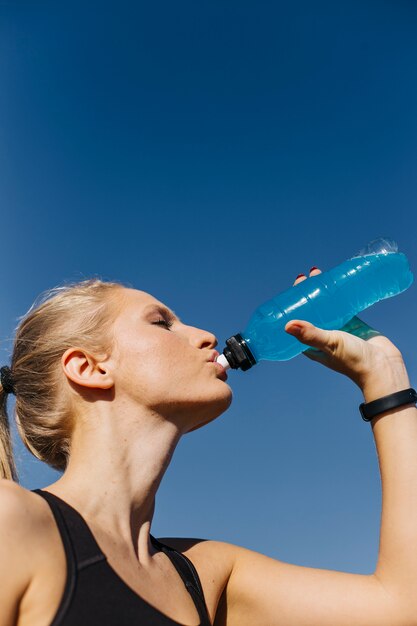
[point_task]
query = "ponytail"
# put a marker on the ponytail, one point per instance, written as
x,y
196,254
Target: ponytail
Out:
x,y
71,315
7,464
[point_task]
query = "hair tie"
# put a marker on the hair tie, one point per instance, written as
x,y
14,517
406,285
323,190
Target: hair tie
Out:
x,y
6,379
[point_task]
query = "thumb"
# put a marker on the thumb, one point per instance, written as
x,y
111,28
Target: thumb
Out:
x,y
311,335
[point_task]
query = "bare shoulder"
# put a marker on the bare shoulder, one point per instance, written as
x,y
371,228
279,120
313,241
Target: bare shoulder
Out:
x,y
223,552
225,555
20,509
26,524
24,519
15,508
20,526
214,562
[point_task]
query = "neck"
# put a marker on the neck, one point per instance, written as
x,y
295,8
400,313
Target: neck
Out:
x,y
115,468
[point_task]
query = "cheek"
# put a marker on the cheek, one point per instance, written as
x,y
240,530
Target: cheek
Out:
x,y
149,370
162,368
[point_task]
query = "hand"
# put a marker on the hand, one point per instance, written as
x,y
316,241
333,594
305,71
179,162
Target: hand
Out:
x,y
358,351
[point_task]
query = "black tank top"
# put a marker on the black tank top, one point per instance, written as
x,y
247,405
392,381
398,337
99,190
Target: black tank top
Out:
x,y
94,595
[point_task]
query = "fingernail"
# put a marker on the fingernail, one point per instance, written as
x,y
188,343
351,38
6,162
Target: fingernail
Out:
x,y
294,327
299,276
313,268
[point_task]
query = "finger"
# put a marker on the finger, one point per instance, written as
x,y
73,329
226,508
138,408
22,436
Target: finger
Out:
x,y
312,336
299,279
314,271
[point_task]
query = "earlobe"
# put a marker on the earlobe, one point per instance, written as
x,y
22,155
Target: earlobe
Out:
x,y
82,368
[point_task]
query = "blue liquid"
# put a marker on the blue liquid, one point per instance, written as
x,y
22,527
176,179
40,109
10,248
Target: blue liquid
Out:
x,y
328,301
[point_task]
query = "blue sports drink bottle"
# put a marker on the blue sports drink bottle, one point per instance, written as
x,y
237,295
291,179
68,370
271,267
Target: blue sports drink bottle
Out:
x,y
328,300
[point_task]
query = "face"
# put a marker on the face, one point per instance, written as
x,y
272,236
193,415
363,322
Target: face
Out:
x,y
165,365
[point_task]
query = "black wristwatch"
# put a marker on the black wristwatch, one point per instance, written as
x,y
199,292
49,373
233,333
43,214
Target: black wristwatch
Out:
x,y
369,410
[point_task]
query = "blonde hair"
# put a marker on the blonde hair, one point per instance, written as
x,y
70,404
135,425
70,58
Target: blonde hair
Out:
x,y
76,314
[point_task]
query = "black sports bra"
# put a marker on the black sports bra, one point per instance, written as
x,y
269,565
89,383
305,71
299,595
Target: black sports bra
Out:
x,y
94,594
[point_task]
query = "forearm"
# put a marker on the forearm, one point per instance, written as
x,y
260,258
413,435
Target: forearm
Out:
x,y
395,435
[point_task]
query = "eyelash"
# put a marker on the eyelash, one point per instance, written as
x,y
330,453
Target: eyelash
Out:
x,y
163,322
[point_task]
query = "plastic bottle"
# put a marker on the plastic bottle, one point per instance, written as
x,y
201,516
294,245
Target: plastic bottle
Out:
x,y
328,300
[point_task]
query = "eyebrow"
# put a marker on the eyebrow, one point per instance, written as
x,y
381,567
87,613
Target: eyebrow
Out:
x,y
163,310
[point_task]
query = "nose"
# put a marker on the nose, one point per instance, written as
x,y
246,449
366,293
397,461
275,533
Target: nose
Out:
x,y
202,338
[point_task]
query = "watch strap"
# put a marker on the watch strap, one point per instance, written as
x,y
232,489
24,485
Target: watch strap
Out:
x,y
369,410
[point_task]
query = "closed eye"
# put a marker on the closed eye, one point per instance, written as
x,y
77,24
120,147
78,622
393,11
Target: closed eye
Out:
x,y
163,322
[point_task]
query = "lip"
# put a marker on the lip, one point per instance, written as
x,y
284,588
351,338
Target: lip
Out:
x,y
214,356
221,371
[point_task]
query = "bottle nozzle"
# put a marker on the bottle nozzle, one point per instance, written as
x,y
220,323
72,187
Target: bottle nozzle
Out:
x,y
223,361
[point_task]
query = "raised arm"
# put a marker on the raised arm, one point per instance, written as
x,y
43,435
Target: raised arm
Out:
x,y
268,592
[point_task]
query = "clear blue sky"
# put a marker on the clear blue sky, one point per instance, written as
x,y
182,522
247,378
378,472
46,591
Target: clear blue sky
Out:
x,y
208,152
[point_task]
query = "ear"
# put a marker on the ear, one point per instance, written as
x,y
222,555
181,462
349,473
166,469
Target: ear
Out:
x,y
83,369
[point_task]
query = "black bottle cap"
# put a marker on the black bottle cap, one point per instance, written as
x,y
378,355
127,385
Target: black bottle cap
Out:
x,y
238,354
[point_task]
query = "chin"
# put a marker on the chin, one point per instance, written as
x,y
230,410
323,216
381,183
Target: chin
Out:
x,y
213,411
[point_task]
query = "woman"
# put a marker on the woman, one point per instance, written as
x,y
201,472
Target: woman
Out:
x,y
107,380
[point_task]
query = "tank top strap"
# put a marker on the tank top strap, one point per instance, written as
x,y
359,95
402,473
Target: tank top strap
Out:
x,y
79,543
190,577
82,550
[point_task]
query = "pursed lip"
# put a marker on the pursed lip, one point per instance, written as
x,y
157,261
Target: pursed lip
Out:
x,y
221,372
214,356
220,369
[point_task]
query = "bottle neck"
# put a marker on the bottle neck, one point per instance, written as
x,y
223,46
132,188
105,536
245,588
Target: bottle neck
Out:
x,y
238,353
